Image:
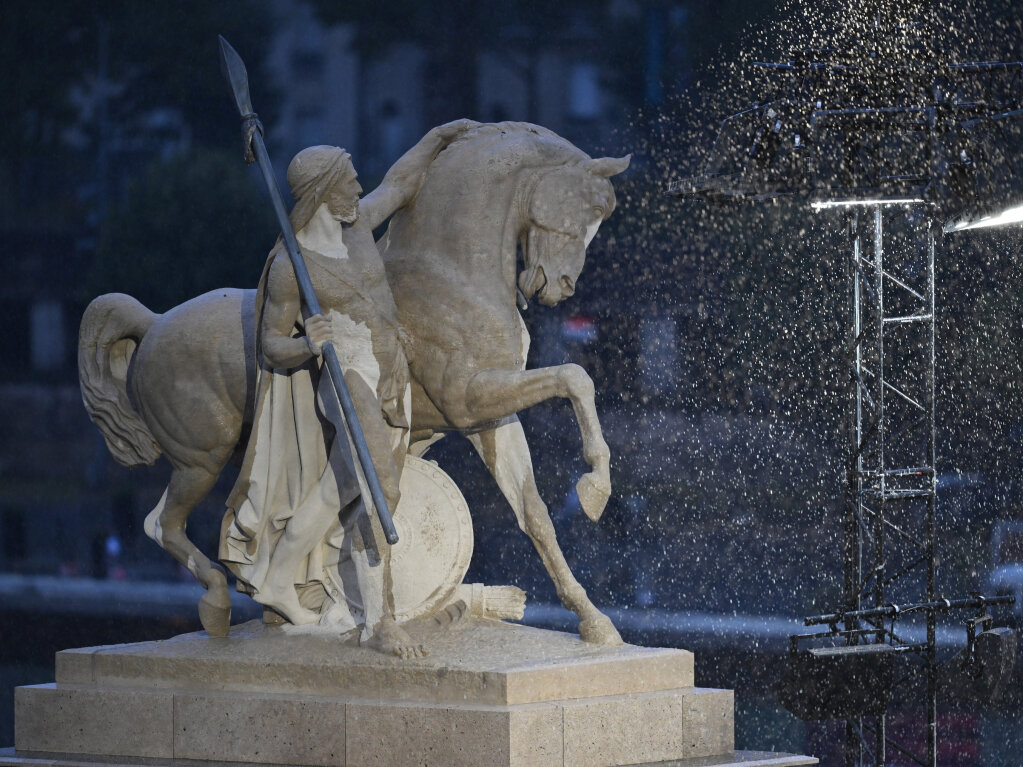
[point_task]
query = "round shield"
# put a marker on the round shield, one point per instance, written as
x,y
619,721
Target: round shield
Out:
x,y
434,541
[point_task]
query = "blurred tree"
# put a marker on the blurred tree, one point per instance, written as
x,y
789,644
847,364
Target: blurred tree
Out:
x,y
191,224
151,55
111,81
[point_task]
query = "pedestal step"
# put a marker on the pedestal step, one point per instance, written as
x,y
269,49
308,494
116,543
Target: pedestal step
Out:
x,y
10,758
330,731
489,693
476,661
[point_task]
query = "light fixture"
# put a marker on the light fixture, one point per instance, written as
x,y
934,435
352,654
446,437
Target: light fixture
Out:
x,y
988,182
968,220
838,682
823,204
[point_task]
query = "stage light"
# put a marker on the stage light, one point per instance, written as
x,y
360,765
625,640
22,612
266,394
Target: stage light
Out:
x,y
985,188
823,204
838,682
983,670
1013,215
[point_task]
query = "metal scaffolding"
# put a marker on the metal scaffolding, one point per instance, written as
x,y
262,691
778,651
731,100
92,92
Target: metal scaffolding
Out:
x,y
891,479
885,128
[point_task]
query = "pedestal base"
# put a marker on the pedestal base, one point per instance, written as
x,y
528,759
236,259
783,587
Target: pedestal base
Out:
x,y
489,693
10,758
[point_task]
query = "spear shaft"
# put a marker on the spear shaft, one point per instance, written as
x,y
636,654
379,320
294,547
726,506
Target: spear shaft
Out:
x,y
237,76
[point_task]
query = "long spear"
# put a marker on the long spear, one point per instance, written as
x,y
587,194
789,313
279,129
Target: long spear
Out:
x,y
238,78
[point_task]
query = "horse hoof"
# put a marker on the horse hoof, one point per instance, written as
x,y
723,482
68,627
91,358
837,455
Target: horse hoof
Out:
x,y
600,630
592,497
215,612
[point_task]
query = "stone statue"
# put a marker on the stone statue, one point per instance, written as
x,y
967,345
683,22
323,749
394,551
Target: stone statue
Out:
x,y
283,515
192,382
419,334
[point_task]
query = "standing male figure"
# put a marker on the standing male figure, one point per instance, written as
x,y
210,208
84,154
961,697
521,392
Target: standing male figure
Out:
x,y
297,512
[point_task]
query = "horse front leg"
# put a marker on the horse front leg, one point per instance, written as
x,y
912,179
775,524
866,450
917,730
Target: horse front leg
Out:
x,y
505,452
495,394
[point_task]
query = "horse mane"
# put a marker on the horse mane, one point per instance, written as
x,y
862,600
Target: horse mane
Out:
x,y
490,169
508,146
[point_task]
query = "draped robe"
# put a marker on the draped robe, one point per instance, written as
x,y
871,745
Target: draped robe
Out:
x,y
294,461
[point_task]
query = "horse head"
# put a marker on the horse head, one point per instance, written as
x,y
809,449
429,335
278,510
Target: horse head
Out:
x,y
565,206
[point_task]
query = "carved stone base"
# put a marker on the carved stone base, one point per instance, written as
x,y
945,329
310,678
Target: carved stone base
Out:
x,y
10,758
490,693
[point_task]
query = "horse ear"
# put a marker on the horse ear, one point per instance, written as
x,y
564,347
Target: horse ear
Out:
x,y
605,167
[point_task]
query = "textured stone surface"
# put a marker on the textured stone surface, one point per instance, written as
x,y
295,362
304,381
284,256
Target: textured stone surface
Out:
x,y
479,661
246,700
709,723
536,736
410,736
407,735
75,666
305,730
93,721
262,730
8,758
648,727
244,727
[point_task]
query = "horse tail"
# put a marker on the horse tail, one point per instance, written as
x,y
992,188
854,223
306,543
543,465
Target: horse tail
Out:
x,y
112,328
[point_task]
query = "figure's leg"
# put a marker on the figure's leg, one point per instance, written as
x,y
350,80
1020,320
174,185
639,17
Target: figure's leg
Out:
x,y
505,452
312,523
387,447
495,394
307,527
165,524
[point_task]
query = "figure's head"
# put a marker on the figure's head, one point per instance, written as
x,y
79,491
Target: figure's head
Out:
x,y
323,175
565,208
343,198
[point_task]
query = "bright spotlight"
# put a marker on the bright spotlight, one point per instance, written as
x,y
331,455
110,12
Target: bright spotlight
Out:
x,y
1012,215
822,204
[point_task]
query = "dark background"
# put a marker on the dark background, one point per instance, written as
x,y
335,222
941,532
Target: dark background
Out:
x,y
715,332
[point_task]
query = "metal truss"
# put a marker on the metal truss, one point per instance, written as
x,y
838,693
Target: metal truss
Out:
x,y
883,125
891,479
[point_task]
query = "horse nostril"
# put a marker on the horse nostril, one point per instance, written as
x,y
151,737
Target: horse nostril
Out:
x,y
567,285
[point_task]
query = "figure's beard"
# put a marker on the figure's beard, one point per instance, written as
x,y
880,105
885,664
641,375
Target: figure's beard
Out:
x,y
348,216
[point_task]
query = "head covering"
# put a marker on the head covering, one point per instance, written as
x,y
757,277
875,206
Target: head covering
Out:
x,y
311,174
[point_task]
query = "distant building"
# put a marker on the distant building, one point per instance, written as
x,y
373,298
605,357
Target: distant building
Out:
x,y
377,107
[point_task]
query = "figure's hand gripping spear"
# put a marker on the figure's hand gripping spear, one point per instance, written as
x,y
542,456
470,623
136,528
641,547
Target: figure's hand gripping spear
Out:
x,y
237,76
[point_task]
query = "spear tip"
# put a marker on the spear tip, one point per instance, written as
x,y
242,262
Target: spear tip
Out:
x,y
233,67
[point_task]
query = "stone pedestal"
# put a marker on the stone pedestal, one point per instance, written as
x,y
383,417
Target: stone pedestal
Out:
x,y
489,693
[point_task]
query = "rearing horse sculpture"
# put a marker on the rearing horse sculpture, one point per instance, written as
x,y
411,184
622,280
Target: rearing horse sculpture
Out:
x,y
451,258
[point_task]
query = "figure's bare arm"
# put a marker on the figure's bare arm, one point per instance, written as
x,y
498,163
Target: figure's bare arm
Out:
x,y
281,312
406,175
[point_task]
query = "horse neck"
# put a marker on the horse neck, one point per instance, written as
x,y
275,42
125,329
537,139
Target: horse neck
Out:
x,y
475,230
